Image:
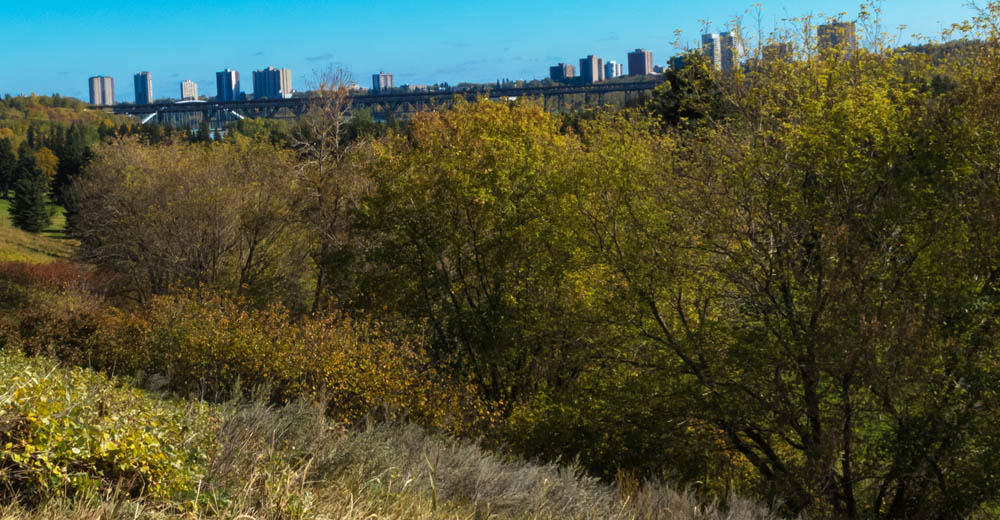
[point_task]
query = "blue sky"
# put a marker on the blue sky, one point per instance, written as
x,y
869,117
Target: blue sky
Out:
x,y
55,45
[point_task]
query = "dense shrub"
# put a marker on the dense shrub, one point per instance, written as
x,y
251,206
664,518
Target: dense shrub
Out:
x,y
57,275
74,432
209,345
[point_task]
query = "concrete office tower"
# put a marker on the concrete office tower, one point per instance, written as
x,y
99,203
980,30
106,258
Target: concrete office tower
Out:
x,y
381,81
227,84
837,34
724,50
591,69
562,72
189,90
640,62
143,88
102,90
612,69
272,83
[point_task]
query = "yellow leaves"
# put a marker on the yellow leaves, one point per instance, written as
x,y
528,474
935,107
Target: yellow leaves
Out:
x,y
212,345
67,440
48,162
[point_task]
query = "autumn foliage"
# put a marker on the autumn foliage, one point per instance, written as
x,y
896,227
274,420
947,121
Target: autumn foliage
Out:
x,y
780,281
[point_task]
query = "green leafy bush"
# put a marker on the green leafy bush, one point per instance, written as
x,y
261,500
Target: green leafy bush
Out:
x,y
75,432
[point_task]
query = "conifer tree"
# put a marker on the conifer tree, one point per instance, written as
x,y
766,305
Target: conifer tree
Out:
x,y
32,137
29,209
8,162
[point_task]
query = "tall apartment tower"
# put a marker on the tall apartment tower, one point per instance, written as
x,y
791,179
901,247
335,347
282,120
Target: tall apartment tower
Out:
x,y
189,90
592,69
837,34
612,69
711,47
381,81
562,72
102,90
143,88
640,62
272,83
724,50
227,84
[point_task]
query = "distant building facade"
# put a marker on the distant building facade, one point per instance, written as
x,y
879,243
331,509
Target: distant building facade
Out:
x,y
381,82
143,88
562,72
724,50
837,34
189,90
272,83
227,85
591,69
612,69
102,90
640,62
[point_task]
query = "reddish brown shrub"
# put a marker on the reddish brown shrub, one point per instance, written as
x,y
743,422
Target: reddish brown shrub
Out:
x,y
59,275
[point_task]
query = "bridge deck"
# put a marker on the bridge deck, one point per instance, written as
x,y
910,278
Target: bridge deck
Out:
x,y
300,104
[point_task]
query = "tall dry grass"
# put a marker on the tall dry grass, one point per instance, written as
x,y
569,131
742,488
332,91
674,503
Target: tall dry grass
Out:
x,y
292,463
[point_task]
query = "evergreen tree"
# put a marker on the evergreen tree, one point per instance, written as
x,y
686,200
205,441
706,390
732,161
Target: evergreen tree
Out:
x,y
29,210
32,137
204,132
8,162
73,156
23,150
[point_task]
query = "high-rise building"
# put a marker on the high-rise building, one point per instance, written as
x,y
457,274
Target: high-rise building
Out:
x,y
562,72
733,50
143,88
837,34
724,50
640,62
272,83
227,85
591,69
102,90
189,90
711,47
381,81
612,69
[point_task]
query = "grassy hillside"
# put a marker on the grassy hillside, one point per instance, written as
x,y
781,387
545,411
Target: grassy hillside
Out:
x,y
17,245
75,444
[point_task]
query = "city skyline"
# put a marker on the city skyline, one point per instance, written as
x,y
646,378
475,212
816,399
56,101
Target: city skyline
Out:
x,y
466,43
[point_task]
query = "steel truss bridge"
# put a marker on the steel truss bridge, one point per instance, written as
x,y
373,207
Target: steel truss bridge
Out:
x,y
190,114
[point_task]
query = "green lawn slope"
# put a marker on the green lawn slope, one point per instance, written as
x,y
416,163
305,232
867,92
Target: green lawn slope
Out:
x,y
48,246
